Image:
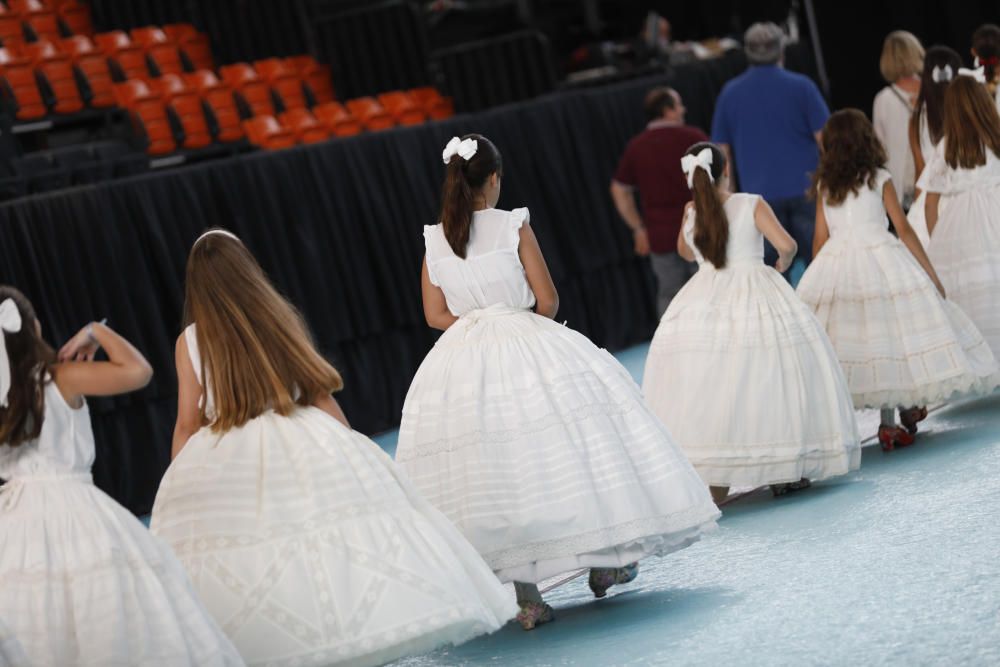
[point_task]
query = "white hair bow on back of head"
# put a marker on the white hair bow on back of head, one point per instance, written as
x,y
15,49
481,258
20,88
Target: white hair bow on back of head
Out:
x,y
464,147
10,321
979,74
942,74
702,160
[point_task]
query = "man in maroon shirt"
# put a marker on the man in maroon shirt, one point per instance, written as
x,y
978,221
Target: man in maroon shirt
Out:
x,y
652,165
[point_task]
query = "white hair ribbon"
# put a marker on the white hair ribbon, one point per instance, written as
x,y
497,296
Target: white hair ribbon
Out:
x,y
10,321
216,231
703,160
464,147
942,74
979,74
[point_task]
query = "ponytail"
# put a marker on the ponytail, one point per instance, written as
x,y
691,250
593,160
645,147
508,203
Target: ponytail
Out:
x,y
711,227
464,179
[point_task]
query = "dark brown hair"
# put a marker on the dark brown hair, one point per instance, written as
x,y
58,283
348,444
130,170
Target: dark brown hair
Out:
x,y
463,180
930,102
711,225
657,101
851,157
30,360
256,351
971,124
986,44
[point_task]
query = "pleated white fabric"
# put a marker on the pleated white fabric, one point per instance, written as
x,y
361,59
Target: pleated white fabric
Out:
x,y
743,375
917,216
309,546
899,342
82,582
965,245
534,442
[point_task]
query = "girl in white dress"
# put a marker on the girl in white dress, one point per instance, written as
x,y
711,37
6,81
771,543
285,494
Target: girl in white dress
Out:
x,y
739,369
82,582
536,443
962,180
900,343
302,537
941,65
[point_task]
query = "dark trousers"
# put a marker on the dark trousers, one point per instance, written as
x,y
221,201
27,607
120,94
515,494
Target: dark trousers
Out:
x,y
671,271
798,216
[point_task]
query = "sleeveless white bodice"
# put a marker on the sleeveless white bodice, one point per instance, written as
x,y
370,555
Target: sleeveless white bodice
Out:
x,y
746,243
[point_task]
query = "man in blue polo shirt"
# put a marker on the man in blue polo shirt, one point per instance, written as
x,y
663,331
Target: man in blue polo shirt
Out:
x,y
769,120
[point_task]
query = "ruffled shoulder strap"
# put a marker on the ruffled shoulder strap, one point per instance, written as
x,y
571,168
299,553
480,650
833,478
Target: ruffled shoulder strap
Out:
x,y
516,218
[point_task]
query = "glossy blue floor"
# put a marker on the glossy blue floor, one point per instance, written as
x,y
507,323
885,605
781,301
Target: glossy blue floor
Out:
x,y
895,564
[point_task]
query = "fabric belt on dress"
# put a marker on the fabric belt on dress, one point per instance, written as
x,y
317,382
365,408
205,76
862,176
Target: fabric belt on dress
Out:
x,y
470,319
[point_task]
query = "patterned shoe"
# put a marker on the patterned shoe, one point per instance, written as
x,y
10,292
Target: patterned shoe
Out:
x,y
533,614
603,578
910,418
782,489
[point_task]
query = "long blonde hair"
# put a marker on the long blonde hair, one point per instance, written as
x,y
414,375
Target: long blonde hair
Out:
x,y
254,346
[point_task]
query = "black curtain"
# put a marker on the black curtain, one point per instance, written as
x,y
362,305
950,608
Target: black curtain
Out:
x,y
338,227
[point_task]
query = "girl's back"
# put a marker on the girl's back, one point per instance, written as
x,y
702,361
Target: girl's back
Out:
x,y
745,245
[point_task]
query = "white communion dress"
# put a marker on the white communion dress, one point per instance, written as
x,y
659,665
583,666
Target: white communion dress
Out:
x,y
533,441
743,374
11,653
899,342
310,548
82,582
917,216
965,244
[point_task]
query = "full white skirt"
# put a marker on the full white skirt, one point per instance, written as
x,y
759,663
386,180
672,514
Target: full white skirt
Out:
x,y
539,447
11,653
899,342
965,252
309,547
82,582
745,378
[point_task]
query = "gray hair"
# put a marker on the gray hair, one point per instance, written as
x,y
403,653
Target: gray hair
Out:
x,y
764,43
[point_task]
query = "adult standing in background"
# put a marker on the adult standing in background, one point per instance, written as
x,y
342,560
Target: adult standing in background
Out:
x,y
651,165
901,64
768,121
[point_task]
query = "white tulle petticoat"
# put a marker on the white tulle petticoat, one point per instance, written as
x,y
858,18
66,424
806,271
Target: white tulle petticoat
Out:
x,y
83,583
899,343
309,547
745,378
539,447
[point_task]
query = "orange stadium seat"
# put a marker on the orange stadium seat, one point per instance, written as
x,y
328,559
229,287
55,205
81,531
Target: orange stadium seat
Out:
x,y
255,92
148,109
75,16
92,66
21,86
436,105
283,80
56,69
304,125
316,77
337,119
11,28
41,21
402,107
186,107
266,132
371,114
127,58
221,104
194,45
162,52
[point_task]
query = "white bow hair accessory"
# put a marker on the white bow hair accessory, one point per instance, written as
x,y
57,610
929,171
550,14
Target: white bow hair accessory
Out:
x,y
10,321
703,160
464,147
979,74
942,74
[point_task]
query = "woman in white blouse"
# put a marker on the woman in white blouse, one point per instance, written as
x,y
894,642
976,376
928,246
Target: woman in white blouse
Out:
x,y
901,64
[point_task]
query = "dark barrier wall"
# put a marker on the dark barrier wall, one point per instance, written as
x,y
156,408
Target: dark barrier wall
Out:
x,y
338,226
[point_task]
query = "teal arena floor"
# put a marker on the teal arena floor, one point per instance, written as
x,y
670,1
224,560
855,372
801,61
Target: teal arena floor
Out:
x,y
896,564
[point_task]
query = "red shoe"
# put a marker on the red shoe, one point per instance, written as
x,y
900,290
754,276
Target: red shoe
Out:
x,y
910,418
891,437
